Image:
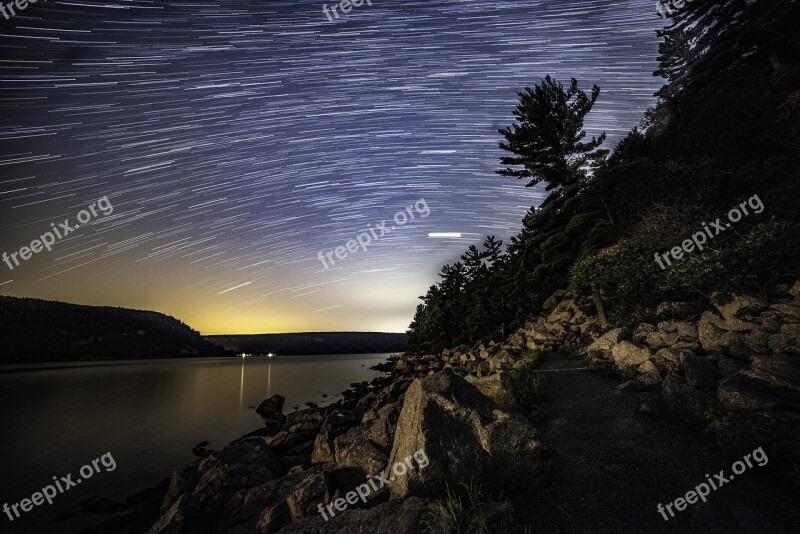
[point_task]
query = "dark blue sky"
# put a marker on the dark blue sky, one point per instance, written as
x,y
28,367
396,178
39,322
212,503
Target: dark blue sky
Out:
x,y
238,139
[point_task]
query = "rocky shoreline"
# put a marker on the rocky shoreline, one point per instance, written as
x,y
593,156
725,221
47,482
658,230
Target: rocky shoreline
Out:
x,y
732,371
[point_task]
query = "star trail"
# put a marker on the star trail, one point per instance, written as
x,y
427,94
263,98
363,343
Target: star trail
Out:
x,y
237,139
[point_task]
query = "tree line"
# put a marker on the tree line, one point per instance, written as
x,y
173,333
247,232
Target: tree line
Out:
x,y
726,126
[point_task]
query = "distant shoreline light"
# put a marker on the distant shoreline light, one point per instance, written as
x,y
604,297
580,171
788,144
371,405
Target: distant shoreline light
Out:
x,y
444,234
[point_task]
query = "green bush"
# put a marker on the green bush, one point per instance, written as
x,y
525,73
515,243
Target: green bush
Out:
x,y
748,259
530,356
524,385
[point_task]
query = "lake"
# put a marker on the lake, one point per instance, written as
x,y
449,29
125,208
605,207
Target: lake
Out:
x,y
148,414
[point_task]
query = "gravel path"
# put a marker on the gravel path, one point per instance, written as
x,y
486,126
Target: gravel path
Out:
x,y
613,465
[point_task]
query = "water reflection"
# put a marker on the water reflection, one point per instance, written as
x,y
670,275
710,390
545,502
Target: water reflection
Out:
x,y
148,414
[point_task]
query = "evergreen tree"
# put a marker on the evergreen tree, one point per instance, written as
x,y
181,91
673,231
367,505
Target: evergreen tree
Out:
x,y
548,137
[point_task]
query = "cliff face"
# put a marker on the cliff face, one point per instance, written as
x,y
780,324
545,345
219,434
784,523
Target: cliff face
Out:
x,y
35,330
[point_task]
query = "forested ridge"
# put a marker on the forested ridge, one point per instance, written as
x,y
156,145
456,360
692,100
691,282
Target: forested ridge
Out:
x,y
34,330
726,127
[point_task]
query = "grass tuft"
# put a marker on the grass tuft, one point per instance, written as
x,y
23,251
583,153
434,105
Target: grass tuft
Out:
x,y
470,510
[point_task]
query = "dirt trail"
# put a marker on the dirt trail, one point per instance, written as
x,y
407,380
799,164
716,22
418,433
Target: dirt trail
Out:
x,y
613,465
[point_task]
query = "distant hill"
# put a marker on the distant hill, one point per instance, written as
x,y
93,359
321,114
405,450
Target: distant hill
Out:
x,y
33,330
315,343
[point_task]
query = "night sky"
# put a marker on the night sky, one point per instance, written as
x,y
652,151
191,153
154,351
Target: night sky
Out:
x,y
236,140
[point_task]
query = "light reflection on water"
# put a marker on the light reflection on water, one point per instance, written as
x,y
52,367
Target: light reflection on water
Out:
x,y
148,414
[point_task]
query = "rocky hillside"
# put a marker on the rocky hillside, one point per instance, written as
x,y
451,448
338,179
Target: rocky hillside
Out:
x,y
34,330
450,421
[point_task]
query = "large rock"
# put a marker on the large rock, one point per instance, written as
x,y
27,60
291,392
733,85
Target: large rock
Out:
x,y
738,393
778,374
602,346
626,354
274,422
463,436
182,481
186,516
265,504
741,307
355,449
670,359
312,491
336,424
491,386
300,420
274,404
202,495
709,333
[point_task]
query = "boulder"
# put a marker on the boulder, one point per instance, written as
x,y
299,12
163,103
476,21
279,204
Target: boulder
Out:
x,y
778,374
182,481
334,425
686,332
602,347
186,516
381,424
626,354
274,422
355,449
550,303
780,365
738,394
741,306
463,437
284,441
789,311
648,367
709,334
491,386
271,405
313,490
265,503
195,501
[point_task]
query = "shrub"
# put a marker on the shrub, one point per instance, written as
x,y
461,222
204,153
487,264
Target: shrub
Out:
x,y
524,385
469,511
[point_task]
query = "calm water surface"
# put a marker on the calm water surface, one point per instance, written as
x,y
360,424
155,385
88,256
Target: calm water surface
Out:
x,y
147,414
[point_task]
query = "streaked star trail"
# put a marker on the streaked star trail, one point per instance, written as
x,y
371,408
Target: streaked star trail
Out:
x,y
236,139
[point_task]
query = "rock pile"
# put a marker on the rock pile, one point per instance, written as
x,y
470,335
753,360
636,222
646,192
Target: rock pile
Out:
x,y
275,478
740,359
